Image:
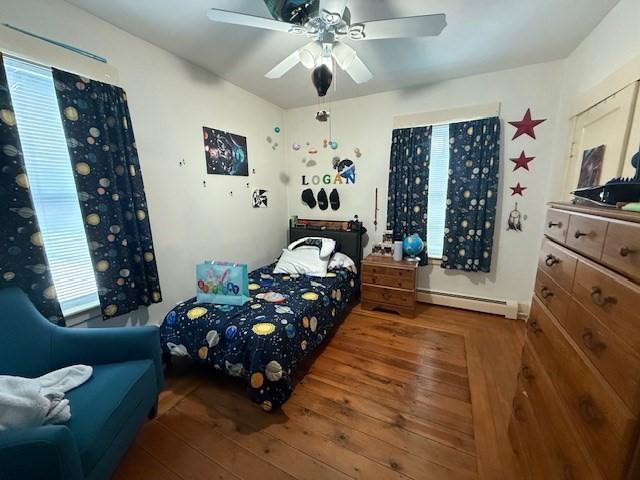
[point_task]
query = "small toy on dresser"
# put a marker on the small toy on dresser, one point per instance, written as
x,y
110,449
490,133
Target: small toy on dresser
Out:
x,y
615,191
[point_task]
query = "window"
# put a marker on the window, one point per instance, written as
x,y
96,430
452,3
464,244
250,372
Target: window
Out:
x,y
52,184
438,182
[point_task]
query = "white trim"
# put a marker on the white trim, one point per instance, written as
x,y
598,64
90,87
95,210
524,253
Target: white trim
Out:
x,y
507,308
618,80
453,115
37,51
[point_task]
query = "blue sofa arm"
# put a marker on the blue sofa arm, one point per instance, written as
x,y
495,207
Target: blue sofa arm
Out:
x,y
40,453
107,345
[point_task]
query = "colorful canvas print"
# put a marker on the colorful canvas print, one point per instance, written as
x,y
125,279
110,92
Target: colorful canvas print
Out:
x,y
591,168
225,153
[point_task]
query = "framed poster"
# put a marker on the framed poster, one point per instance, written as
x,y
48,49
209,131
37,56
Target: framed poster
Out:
x,y
225,153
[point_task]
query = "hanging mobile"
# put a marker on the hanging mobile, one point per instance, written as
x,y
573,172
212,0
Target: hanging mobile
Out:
x,y
515,220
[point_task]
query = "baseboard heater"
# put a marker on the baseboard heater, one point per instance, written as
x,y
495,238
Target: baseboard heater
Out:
x,y
507,308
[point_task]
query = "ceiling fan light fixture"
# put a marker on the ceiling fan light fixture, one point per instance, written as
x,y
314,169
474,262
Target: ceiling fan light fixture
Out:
x,y
344,55
309,54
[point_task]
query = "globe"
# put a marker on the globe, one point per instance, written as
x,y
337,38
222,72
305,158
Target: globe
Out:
x,y
412,246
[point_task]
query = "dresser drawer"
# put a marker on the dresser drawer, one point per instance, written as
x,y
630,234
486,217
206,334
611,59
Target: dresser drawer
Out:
x,y
618,363
528,439
565,456
397,281
558,262
556,225
586,235
549,293
390,296
601,419
611,298
622,248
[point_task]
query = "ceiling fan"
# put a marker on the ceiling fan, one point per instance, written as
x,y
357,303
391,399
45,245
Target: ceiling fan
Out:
x,y
327,23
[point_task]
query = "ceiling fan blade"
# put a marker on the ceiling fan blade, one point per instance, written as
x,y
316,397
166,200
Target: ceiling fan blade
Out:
x,y
420,26
224,16
333,7
357,70
284,66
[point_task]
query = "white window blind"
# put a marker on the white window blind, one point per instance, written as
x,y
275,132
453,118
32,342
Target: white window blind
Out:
x,y
52,185
438,181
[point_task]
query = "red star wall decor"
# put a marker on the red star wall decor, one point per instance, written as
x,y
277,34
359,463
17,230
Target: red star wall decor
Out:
x,y
517,190
526,125
522,161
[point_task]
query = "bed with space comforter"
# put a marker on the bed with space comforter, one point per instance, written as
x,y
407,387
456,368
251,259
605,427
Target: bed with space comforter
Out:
x,y
286,319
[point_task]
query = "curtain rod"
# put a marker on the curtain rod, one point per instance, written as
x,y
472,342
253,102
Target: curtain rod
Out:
x,y
71,48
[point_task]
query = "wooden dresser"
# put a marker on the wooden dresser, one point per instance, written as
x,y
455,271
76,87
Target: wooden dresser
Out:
x,y
576,407
389,285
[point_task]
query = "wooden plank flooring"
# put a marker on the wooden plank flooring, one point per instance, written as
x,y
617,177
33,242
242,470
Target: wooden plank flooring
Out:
x,y
388,398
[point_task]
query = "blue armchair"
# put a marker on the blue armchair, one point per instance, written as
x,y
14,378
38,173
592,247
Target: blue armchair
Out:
x,y
106,411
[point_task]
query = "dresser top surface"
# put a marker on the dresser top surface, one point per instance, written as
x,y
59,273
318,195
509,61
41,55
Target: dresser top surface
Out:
x,y
606,212
383,261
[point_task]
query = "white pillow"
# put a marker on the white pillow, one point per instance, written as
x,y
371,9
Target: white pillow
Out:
x,y
340,260
302,260
328,245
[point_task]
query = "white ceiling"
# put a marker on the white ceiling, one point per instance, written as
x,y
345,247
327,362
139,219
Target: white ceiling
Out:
x,y
481,36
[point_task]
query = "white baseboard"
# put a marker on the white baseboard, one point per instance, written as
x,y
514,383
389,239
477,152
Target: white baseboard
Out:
x,y
507,308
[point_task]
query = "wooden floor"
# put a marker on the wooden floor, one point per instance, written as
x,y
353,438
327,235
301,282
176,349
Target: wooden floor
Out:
x,y
388,398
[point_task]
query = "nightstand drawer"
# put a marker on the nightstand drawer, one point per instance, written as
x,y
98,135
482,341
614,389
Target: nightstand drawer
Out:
x,y
397,281
391,272
390,296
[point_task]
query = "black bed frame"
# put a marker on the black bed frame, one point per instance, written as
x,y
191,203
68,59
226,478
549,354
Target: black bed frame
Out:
x,y
348,242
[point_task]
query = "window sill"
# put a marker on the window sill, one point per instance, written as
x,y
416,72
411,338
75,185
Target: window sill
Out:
x,y
82,315
434,261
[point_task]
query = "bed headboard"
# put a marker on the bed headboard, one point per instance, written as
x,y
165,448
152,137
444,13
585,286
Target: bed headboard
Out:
x,y
349,241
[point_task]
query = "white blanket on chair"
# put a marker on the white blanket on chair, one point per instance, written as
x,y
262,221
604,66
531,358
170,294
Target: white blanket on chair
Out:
x,y
30,402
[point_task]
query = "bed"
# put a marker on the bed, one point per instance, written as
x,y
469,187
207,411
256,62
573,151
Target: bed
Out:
x,y
264,340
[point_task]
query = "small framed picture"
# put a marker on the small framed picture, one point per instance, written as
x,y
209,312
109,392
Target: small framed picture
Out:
x,y
387,236
376,249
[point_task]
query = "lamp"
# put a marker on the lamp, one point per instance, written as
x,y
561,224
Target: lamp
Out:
x,y
344,55
309,54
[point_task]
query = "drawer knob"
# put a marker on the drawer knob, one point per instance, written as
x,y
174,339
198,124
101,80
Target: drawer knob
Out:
x,y
554,224
526,373
625,251
517,411
546,293
551,260
594,345
579,234
599,299
588,409
535,326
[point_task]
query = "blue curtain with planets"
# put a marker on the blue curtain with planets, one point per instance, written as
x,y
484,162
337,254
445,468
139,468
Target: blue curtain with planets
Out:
x,y
409,183
105,161
23,261
474,159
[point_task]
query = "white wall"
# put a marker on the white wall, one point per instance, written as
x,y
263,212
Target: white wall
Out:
x,y
170,101
366,123
612,45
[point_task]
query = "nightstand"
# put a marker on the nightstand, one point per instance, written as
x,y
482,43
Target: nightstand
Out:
x,y
389,285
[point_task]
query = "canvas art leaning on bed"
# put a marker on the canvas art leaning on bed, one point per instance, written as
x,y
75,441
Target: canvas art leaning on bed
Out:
x,y
294,305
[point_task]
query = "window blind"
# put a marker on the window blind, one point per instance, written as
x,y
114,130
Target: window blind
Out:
x,y
438,182
52,185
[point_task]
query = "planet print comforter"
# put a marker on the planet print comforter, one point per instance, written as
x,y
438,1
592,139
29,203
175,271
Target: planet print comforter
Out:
x,y
286,319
